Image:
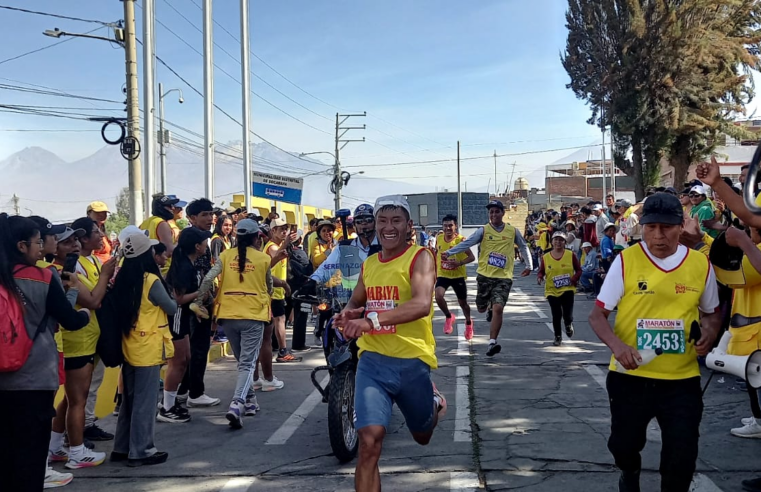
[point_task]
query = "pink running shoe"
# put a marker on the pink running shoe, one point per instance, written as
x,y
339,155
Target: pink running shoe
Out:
x,y
449,325
469,330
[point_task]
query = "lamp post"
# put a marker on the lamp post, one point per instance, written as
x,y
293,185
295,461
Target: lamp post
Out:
x,y
164,135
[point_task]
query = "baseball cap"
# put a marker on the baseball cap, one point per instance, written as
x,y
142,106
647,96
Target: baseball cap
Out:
x,y
97,207
278,222
597,207
698,189
364,210
247,226
496,203
619,247
397,201
46,228
662,208
623,203
137,244
671,190
560,235
180,203
68,232
190,236
167,200
128,231
586,245
609,225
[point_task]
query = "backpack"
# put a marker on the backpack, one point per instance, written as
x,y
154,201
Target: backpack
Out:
x,y
300,268
15,344
109,346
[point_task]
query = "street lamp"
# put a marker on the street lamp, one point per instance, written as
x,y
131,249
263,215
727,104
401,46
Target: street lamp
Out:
x,y
57,33
164,135
303,154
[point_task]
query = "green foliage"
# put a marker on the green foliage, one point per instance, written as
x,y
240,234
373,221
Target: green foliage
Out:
x,y
116,222
183,223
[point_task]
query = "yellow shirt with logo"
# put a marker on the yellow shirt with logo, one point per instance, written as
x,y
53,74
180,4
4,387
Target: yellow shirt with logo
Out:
x,y
658,309
84,342
497,253
558,274
387,286
445,269
279,270
247,299
149,343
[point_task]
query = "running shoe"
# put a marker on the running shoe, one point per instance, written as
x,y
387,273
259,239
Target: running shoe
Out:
x,y
569,330
155,459
558,341
469,330
441,402
95,433
448,325
273,385
251,407
63,455
87,459
203,401
752,430
54,479
258,384
287,357
494,349
234,415
173,415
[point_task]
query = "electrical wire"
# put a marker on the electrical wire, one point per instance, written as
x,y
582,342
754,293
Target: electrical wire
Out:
x,y
22,55
57,16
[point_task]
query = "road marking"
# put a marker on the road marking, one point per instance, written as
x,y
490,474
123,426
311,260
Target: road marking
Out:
x,y
463,346
462,406
596,374
464,482
238,485
531,304
701,483
298,417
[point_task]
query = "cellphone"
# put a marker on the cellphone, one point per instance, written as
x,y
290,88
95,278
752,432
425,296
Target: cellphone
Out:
x,y
70,264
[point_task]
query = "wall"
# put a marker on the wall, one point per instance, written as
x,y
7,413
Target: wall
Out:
x,y
567,185
441,204
428,200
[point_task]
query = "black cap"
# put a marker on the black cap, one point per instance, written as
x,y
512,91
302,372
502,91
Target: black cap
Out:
x,y
662,208
190,236
46,228
496,203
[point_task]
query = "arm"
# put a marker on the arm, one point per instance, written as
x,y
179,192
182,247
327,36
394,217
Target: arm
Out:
x,y
270,282
216,249
323,273
523,248
92,300
277,255
159,296
59,307
542,272
282,284
576,270
473,240
710,174
208,281
469,258
164,233
738,238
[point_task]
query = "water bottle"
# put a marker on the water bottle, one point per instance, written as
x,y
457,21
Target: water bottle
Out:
x,y
647,357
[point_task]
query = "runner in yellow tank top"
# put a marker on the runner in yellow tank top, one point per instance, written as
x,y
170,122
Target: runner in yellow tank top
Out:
x,y
661,289
159,228
397,348
562,271
452,273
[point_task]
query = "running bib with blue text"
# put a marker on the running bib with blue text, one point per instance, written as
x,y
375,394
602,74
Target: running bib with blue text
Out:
x,y
561,281
497,260
666,334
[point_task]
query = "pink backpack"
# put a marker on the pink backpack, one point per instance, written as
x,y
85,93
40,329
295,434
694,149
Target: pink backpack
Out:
x,y
15,344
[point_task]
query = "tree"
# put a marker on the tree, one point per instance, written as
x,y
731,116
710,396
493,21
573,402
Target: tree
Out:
x,y
119,220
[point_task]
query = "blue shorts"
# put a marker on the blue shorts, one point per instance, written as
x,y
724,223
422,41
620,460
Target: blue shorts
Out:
x,y
382,381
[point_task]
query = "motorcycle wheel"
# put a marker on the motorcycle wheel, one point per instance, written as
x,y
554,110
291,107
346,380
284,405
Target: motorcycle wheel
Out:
x,y
343,436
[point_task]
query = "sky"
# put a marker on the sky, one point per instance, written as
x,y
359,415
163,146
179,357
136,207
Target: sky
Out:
x,y
428,73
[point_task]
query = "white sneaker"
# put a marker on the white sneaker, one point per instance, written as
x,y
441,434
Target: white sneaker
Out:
x,y
59,455
87,459
748,420
203,401
273,385
258,384
752,430
55,479
182,398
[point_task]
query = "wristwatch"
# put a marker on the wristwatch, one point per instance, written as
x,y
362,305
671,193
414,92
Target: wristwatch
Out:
x,y
373,317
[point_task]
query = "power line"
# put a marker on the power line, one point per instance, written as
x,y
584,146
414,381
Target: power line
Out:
x,y
57,16
22,55
40,130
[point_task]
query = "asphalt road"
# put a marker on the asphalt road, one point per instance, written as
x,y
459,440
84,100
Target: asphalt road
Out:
x,y
535,418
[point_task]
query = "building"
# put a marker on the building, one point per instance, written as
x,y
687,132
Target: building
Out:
x,y
292,213
430,208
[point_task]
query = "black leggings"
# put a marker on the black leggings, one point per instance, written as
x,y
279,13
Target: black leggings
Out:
x,y
561,307
754,404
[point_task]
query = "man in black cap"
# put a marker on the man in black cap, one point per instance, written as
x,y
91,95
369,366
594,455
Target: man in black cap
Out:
x,y
495,266
667,316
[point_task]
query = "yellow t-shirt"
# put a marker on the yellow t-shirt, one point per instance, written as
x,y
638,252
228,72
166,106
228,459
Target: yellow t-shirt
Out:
x,y
319,252
387,285
445,269
558,274
745,302
279,270
497,252
84,342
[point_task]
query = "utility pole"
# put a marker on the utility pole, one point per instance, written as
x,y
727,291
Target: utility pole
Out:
x,y
208,101
602,152
16,208
495,172
245,60
338,179
149,148
612,165
459,190
133,114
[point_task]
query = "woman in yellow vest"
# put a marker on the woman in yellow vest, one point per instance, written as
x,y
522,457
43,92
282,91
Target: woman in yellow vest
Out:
x,y
158,225
322,245
561,271
143,304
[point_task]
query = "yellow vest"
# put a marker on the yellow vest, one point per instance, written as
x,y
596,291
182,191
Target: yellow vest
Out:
x,y
387,285
58,336
279,270
497,252
151,225
558,274
84,342
149,343
746,339
248,299
544,240
442,267
658,309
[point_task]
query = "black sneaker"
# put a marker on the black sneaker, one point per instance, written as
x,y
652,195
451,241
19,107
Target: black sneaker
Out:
x,y
156,459
752,485
116,456
558,341
95,433
569,330
173,415
488,315
629,482
494,349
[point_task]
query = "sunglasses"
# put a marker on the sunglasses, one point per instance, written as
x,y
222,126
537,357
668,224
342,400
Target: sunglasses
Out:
x,y
693,195
363,221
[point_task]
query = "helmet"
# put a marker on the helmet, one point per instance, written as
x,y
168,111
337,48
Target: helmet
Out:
x,y
364,210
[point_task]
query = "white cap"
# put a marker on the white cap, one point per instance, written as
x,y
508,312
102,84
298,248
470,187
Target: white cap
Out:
x,y
128,231
278,222
560,235
397,201
137,244
698,189
597,207
609,225
586,245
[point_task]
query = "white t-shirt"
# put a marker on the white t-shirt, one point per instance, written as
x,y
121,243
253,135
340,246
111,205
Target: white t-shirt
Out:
x,y
613,288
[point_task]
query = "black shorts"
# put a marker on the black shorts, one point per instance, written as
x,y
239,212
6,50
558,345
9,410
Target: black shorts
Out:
x,y
458,285
278,307
180,326
74,363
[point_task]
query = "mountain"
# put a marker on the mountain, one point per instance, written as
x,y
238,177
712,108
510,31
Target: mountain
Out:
x,y
33,160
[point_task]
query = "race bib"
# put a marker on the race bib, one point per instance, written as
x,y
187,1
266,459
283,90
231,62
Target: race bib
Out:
x,y
666,334
380,306
497,260
561,281
448,265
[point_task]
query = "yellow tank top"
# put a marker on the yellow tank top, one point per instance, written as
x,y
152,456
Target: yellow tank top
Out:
x,y
152,226
279,270
745,301
444,268
497,252
387,284
558,274
149,343
658,309
248,299
84,342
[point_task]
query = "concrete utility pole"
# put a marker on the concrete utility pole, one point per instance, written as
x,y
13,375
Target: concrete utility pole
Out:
x,y
164,138
133,114
245,60
602,152
337,178
208,100
149,82
459,190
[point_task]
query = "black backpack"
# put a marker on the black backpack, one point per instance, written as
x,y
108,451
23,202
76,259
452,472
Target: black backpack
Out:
x,y
109,346
301,268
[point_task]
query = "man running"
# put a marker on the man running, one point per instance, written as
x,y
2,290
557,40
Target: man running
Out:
x,y
396,346
495,266
452,273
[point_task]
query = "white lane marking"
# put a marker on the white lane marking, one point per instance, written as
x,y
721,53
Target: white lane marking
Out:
x,y
596,374
463,346
701,483
464,481
238,484
298,417
530,304
462,406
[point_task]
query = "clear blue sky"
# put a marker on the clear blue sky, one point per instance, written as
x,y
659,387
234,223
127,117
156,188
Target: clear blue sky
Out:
x,y
485,72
